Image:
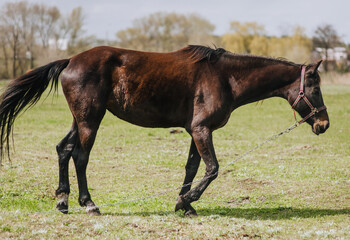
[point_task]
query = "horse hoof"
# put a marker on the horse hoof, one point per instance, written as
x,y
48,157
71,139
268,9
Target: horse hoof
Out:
x,y
62,204
93,211
179,204
62,207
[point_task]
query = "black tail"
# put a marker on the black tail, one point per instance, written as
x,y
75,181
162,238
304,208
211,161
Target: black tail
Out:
x,y
23,93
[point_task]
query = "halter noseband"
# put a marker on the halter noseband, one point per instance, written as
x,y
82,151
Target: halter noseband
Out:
x,y
302,96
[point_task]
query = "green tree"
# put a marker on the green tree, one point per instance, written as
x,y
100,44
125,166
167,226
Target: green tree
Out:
x,y
251,38
234,43
166,32
296,47
259,45
241,35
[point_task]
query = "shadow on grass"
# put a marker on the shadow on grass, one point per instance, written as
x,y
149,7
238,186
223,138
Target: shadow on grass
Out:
x,y
272,213
252,213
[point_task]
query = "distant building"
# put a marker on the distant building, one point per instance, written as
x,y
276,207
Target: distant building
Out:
x,y
334,54
60,44
337,58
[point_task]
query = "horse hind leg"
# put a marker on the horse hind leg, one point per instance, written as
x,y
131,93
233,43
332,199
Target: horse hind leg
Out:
x,y
64,150
87,135
87,96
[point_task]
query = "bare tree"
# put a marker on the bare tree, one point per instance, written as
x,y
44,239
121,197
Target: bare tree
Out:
x,y
74,28
46,18
13,21
32,30
19,27
326,37
5,70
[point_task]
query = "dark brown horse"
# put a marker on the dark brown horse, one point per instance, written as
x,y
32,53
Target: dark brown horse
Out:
x,y
196,88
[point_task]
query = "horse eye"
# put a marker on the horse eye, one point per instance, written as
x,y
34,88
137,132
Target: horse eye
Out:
x,y
308,84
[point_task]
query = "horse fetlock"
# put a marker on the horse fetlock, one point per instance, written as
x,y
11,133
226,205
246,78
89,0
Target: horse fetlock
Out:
x,y
62,204
179,204
183,204
85,200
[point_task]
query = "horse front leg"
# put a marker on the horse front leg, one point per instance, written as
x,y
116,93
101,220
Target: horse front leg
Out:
x,y
202,137
192,166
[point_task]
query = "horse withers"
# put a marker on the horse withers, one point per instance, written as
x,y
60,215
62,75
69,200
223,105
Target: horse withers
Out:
x,y
196,88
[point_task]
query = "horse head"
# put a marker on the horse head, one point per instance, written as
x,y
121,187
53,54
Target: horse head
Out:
x,y
305,97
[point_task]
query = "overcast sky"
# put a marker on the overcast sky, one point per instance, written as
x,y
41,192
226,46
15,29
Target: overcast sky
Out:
x,y
104,18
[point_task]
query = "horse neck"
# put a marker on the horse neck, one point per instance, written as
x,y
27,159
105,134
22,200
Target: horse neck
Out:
x,y
257,81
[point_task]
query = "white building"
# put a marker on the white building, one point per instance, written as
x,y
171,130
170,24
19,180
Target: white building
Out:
x,y
337,54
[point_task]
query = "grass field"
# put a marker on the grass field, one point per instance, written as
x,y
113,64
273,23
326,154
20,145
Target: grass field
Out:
x,y
297,187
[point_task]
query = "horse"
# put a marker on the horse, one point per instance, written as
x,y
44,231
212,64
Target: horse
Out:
x,y
195,88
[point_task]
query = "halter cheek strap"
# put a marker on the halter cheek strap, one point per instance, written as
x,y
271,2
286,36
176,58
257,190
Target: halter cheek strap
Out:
x,y
302,96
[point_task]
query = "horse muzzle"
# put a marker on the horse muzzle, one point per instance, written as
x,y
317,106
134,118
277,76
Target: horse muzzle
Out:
x,y
320,126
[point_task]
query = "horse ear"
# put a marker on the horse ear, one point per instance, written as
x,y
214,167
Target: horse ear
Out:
x,y
314,67
317,65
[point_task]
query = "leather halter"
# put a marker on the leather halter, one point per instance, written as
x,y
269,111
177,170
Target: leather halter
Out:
x,y
302,96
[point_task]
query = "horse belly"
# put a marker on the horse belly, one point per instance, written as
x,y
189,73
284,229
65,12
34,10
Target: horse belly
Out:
x,y
148,113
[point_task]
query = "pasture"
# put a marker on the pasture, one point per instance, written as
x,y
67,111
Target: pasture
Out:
x,y
297,187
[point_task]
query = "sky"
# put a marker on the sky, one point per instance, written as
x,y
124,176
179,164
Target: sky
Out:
x,y
104,18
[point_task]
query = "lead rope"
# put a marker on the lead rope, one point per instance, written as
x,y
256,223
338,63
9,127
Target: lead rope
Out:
x,y
272,138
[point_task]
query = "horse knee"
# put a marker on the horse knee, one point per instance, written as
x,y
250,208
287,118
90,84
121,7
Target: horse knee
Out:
x,y
66,146
59,150
191,169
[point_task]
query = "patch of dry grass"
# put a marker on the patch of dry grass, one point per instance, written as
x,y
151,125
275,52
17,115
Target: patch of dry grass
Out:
x,y
335,78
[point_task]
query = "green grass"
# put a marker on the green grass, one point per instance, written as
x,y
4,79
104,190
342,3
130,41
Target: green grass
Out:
x,y
297,187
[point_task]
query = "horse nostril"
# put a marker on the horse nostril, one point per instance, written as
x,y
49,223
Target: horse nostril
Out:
x,y
320,127
324,127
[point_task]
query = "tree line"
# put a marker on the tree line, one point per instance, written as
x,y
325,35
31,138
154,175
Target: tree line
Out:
x,y
34,34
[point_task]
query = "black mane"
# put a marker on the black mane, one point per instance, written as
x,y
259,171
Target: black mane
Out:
x,y
256,60
199,53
